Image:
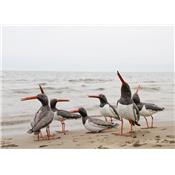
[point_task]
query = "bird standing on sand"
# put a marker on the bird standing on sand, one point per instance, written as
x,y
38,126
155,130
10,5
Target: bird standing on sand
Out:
x,y
106,109
43,117
146,109
126,108
93,125
62,115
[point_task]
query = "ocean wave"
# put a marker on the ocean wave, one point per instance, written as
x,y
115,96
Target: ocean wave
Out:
x,y
89,80
15,120
99,89
149,81
53,89
149,88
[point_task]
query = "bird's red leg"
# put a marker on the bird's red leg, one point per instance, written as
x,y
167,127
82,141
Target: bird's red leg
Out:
x,y
64,131
63,127
121,131
146,123
38,136
48,133
41,135
131,131
152,122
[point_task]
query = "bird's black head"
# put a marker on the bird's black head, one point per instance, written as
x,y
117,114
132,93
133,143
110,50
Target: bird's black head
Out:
x,y
125,88
53,103
82,112
136,98
101,97
125,91
43,99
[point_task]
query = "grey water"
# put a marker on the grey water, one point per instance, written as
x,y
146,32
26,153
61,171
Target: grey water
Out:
x,y
156,88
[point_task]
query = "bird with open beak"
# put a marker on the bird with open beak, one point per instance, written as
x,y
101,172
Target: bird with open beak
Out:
x,y
62,115
93,124
126,107
106,109
43,117
146,109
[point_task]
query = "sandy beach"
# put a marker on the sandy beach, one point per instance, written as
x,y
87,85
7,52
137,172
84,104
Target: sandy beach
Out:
x,y
163,136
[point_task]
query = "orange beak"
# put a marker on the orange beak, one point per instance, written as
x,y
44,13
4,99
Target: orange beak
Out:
x,y
93,96
62,100
29,98
139,87
120,77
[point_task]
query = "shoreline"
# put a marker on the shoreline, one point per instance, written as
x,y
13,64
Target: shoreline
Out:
x,y
156,138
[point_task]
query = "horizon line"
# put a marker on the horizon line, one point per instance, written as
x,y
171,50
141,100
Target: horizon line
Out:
x,y
85,71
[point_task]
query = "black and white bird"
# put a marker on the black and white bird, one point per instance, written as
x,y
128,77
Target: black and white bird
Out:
x,y
146,109
92,124
106,109
43,117
62,115
126,108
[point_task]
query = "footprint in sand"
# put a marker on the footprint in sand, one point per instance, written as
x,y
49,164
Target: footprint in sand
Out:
x,y
164,141
137,144
9,146
170,136
164,129
102,147
171,141
157,145
42,146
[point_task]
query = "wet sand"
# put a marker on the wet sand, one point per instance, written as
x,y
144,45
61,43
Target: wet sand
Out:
x,y
163,136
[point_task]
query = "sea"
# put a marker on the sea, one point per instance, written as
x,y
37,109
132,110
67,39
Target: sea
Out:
x,y
157,88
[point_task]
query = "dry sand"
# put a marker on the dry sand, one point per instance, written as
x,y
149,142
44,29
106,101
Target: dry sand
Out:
x,y
161,137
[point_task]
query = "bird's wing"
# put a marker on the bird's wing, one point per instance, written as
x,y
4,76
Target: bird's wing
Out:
x,y
44,121
67,114
136,112
153,107
115,111
44,112
100,122
140,106
37,117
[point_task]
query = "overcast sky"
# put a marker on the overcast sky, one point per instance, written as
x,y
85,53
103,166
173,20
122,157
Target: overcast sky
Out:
x,y
58,48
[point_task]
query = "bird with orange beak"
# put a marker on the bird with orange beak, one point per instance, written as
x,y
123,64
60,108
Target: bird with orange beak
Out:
x,y
146,109
93,124
106,109
62,115
126,107
43,117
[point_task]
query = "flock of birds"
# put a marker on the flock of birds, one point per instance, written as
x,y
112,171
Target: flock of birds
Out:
x,y
128,107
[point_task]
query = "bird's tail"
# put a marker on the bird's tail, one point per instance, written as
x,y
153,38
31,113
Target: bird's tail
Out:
x,y
30,131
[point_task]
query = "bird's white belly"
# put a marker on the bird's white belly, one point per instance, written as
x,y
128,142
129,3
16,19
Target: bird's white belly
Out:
x,y
107,112
126,111
146,112
92,127
58,117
